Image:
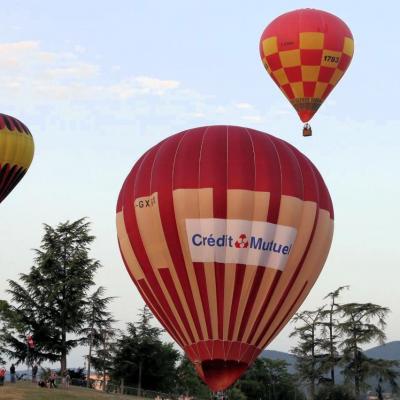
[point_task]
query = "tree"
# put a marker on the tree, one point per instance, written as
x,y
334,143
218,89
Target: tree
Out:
x,y
234,393
269,380
17,324
142,359
49,302
361,324
386,371
332,392
188,382
309,360
98,327
102,359
3,309
330,333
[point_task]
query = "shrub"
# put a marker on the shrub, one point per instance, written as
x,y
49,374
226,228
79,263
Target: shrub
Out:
x,y
334,393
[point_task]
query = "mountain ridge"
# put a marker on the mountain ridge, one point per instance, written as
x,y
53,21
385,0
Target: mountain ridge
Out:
x,y
387,351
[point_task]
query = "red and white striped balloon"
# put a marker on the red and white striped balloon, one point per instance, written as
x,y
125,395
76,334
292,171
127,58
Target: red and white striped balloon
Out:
x,y
224,230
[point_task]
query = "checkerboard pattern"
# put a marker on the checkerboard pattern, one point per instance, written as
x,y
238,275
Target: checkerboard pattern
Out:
x,y
306,65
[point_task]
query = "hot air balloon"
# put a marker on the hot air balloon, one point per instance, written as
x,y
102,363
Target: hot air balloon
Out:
x,y
306,52
224,230
16,153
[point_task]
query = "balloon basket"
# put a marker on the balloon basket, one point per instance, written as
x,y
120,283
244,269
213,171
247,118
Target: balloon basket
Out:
x,y
307,131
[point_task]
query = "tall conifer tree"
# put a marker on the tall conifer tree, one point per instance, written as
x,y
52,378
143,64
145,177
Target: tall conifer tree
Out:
x,y
49,302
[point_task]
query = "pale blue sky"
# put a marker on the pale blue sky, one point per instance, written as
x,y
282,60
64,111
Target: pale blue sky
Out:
x,y
100,82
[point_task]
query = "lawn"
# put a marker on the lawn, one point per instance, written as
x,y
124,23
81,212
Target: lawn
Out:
x,y
29,391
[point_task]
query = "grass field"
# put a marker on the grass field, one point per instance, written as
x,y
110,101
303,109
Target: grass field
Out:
x,y
29,391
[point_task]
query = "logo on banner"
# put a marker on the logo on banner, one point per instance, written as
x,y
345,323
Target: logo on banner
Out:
x,y
240,241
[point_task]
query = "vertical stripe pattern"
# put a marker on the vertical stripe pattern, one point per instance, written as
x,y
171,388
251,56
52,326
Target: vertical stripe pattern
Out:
x,y
222,314
16,153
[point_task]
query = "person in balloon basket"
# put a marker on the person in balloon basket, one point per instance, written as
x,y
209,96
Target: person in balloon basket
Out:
x,y
12,373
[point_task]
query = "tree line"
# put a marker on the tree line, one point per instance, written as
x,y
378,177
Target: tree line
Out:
x,y
58,306
331,339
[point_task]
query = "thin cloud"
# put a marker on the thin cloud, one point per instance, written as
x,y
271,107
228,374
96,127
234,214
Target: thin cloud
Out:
x,y
155,85
68,79
244,106
18,47
79,70
253,118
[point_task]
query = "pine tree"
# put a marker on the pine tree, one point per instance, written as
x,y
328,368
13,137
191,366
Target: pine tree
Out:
x,y
188,381
104,352
330,332
98,324
142,359
269,380
49,302
4,306
308,350
361,324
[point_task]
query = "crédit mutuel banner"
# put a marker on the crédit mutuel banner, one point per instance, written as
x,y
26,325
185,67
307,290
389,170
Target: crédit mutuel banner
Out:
x,y
236,241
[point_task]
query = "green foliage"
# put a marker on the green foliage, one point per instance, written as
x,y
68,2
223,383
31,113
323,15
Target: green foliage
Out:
x,y
98,331
78,373
103,356
188,382
333,335
269,380
97,318
385,371
309,358
330,335
235,393
337,392
360,324
4,307
49,302
142,359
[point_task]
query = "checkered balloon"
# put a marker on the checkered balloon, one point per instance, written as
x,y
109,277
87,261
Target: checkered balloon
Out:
x,y
306,52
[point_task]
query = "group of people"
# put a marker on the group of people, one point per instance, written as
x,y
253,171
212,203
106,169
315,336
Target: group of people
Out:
x,y
14,377
49,382
181,397
52,380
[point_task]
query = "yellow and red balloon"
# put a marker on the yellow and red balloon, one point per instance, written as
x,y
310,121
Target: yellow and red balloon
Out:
x,y
224,231
16,153
306,52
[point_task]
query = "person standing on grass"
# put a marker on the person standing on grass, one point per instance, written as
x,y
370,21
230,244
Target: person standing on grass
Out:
x,y
12,373
2,376
67,380
52,380
34,372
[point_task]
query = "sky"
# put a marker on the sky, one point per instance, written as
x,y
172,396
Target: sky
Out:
x,y
100,82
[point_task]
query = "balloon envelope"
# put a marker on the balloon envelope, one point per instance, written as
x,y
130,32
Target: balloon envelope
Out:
x,y
16,153
306,52
224,231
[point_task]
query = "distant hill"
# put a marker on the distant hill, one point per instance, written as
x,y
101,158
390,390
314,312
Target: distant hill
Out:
x,y
280,355
388,351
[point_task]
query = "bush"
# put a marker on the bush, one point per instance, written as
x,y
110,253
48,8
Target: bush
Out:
x,y
334,393
236,394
